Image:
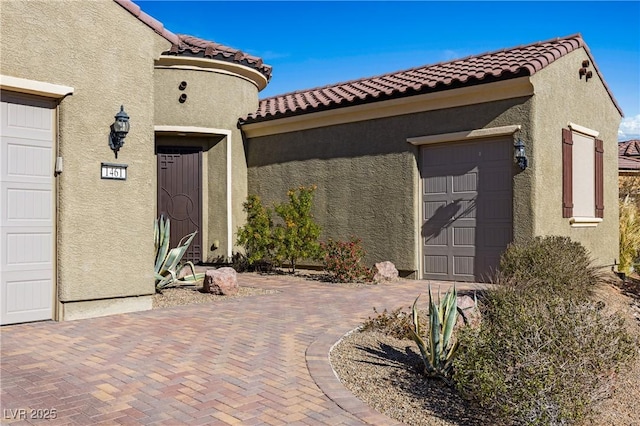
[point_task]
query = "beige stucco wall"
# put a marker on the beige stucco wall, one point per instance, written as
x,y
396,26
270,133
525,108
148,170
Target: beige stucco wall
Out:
x,y
105,227
561,96
216,99
367,174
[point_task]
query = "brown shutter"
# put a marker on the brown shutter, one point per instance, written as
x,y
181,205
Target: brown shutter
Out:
x,y
567,173
599,178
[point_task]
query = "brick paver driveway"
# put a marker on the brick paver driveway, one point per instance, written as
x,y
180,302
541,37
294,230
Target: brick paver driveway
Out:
x,y
254,360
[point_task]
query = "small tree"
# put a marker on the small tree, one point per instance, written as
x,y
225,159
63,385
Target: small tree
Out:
x,y
257,235
297,236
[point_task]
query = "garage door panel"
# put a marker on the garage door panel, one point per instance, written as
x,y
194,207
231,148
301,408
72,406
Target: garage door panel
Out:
x,y
496,236
465,183
26,209
26,204
437,265
466,229
497,210
464,266
26,159
23,120
435,185
26,299
464,236
27,248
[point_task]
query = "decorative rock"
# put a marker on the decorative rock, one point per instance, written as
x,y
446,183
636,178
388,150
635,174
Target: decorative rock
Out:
x,y
469,312
222,281
385,271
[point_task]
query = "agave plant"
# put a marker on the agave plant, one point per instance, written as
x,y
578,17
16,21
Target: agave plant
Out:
x,y
438,347
168,265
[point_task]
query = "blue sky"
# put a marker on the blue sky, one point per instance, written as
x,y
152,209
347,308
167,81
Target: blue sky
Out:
x,y
312,44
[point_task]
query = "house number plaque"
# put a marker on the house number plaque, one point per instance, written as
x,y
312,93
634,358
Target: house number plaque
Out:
x,y
114,171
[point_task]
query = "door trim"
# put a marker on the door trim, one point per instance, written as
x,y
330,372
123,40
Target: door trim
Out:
x,y
34,87
467,135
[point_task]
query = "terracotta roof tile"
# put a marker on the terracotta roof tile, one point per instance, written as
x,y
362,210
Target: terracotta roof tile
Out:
x,y
628,163
477,69
151,22
192,46
629,148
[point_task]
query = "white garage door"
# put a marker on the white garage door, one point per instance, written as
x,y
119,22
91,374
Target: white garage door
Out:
x,y
26,209
467,208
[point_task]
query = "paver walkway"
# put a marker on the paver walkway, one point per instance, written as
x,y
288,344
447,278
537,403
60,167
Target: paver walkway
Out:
x,y
253,360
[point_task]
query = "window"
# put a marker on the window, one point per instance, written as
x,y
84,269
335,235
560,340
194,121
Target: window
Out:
x,y
582,176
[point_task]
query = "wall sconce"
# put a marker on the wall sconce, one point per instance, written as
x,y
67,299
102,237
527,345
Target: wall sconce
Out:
x,y
119,130
519,154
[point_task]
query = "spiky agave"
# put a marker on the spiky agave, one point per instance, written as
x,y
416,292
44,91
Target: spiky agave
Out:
x,y
438,347
167,265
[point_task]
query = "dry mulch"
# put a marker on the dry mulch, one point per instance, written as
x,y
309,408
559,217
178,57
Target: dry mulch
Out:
x,y
385,373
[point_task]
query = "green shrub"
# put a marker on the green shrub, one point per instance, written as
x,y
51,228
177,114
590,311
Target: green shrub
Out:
x,y
538,358
343,261
256,236
629,235
268,244
297,236
553,264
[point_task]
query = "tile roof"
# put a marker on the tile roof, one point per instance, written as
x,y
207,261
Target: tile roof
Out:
x,y
628,163
478,69
151,22
629,148
193,46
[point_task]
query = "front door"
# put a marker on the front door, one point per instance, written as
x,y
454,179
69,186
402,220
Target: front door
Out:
x,y
180,195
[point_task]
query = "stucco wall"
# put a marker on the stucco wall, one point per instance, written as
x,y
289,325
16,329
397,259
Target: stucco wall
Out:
x,y
214,100
367,173
561,96
105,227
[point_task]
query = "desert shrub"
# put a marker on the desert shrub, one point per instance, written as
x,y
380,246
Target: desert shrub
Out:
x,y
256,236
553,264
343,260
396,323
268,244
540,359
629,235
297,236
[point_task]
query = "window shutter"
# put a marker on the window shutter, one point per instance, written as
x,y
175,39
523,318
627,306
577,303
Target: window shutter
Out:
x,y
567,173
599,178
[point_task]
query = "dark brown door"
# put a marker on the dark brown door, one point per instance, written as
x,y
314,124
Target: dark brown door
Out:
x,y
180,195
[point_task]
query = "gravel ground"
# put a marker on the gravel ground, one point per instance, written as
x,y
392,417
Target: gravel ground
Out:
x,y
385,373
190,295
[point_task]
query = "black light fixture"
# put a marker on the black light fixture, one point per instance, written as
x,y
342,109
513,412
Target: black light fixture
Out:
x,y
519,154
119,130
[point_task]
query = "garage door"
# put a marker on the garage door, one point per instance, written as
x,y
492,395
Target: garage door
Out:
x,y
26,209
467,208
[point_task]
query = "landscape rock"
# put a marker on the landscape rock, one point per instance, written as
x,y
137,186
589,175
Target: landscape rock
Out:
x,y
469,312
222,281
385,271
